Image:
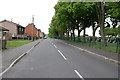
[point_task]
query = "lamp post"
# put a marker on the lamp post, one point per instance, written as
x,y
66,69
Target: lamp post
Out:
x,y
32,27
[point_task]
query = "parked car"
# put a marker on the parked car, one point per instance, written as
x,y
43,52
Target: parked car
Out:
x,y
45,37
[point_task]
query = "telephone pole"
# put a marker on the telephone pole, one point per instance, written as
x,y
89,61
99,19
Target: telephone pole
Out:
x,y
32,27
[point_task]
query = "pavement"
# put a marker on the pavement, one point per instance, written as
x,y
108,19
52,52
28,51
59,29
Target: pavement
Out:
x,y
9,55
54,59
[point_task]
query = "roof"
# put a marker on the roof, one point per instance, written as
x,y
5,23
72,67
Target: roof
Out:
x,y
3,29
12,22
39,30
31,25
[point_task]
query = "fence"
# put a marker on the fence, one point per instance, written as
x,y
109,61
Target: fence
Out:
x,y
113,44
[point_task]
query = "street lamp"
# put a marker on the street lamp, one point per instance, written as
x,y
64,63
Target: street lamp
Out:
x,y
32,27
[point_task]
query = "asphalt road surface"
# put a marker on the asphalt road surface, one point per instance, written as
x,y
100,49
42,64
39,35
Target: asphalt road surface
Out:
x,y
54,59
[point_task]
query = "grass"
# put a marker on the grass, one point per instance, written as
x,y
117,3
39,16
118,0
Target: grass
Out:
x,y
3,48
110,46
16,43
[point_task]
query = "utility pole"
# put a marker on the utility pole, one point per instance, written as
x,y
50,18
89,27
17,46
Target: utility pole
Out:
x,y
32,27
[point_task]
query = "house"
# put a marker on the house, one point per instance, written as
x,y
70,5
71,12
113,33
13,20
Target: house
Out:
x,y
42,35
39,31
15,30
31,30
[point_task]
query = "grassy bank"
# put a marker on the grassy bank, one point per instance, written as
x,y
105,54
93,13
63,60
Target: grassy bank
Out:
x,y
16,43
110,46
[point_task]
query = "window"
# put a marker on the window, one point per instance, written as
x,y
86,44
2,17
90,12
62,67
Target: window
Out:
x,y
22,29
19,29
13,34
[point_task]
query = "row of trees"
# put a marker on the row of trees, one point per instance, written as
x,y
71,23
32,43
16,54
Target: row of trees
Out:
x,y
70,16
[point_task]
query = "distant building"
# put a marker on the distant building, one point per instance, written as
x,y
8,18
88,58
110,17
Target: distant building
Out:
x,y
42,34
31,30
15,30
39,32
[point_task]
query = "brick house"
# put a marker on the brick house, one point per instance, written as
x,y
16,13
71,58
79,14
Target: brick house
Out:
x,y
31,30
42,34
39,31
15,30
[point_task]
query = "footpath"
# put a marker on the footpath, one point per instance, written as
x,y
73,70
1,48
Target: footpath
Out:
x,y
8,56
107,54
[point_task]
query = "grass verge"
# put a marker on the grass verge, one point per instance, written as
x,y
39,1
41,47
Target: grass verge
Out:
x,y
16,43
110,46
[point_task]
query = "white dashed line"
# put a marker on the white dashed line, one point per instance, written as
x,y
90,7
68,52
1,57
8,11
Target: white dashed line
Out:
x,y
80,76
52,44
62,55
55,46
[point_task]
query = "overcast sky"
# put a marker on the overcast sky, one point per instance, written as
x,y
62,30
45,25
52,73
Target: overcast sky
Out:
x,y
21,11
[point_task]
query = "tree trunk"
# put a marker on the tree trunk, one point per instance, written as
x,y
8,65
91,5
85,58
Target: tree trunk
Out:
x,y
93,27
84,35
94,33
100,12
68,35
79,33
102,27
74,34
71,36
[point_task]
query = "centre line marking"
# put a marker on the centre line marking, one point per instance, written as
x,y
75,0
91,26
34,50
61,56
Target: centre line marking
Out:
x,y
55,46
80,76
62,55
52,43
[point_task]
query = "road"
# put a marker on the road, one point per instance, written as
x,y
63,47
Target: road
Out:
x,y
54,59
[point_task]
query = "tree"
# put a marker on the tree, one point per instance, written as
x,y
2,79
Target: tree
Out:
x,y
113,12
101,19
118,31
83,13
111,31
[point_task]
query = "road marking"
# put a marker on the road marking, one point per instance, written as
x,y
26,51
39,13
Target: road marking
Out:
x,y
16,60
30,50
55,46
62,55
12,64
52,44
94,53
80,76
